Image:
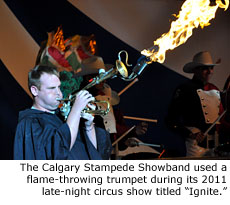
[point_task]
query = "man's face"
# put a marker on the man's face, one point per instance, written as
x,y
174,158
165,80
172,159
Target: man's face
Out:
x,y
49,91
204,73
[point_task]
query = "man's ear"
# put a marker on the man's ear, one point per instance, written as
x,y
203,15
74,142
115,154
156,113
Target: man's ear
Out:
x,y
34,90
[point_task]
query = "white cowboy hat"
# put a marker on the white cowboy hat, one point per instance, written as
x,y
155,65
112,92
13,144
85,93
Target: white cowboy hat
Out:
x,y
200,59
92,65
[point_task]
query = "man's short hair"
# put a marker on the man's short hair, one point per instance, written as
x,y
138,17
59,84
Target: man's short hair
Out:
x,y
35,74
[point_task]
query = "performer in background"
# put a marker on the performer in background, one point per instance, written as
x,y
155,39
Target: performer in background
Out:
x,y
42,135
195,105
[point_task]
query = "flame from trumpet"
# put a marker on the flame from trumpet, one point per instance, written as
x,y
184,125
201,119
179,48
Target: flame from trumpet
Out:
x,y
194,13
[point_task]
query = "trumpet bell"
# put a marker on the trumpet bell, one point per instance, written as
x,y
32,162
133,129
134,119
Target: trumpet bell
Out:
x,y
121,69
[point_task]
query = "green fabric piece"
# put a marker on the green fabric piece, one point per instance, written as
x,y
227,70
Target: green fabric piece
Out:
x,y
69,83
45,61
73,61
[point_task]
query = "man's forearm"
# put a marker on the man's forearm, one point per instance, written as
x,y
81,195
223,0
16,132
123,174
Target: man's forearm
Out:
x,y
91,133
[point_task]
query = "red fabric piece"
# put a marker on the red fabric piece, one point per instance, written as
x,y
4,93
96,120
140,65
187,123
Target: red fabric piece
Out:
x,y
55,53
210,86
82,53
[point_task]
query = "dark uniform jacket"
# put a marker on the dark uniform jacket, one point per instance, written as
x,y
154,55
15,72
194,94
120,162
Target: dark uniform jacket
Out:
x,y
42,135
185,109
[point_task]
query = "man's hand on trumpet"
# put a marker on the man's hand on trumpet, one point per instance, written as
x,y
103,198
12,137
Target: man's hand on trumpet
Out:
x,y
88,117
83,98
89,125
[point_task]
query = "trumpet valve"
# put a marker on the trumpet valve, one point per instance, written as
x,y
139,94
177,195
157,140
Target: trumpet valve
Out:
x,y
101,71
65,110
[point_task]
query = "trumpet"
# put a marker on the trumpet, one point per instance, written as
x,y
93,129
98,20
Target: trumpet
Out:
x,y
66,108
67,102
120,70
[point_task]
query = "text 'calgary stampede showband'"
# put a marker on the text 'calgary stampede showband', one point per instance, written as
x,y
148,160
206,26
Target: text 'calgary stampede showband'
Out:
x,y
129,179
60,168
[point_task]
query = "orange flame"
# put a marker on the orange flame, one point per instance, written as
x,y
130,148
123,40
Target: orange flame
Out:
x,y
59,39
193,13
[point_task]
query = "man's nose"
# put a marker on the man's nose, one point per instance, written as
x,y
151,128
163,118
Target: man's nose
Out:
x,y
59,91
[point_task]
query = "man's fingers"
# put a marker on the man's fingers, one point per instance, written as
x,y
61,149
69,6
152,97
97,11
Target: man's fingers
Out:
x,y
82,93
87,116
91,106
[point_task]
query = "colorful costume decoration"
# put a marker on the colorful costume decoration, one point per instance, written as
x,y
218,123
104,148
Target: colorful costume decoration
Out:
x,y
66,56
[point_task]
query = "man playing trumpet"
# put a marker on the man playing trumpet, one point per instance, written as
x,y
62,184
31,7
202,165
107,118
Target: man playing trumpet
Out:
x,y
42,135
